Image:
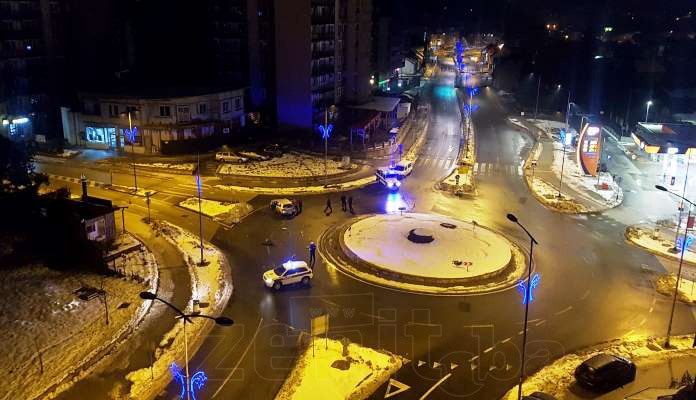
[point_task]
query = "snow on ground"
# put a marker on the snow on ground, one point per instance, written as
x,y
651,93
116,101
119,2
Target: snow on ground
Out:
x,y
225,212
574,177
47,326
463,252
211,285
179,167
548,194
549,127
315,374
647,353
131,190
687,287
657,241
288,191
517,122
289,165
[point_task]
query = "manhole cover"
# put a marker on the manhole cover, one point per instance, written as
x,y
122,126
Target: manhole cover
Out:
x,y
448,225
420,235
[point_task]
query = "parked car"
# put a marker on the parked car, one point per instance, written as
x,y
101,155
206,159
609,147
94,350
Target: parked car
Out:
x,y
283,207
290,272
605,372
538,396
402,169
274,150
388,179
228,156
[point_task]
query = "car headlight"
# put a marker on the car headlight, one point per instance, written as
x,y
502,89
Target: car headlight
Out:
x,y
268,280
390,184
398,183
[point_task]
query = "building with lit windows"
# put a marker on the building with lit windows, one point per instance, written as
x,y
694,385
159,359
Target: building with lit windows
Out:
x,y
160,125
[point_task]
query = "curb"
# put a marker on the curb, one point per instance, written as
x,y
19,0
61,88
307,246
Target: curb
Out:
x,y
100,185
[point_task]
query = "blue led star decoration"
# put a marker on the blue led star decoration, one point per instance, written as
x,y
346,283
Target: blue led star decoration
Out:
x,y
325,131
197,383
131,134
522,288
684,244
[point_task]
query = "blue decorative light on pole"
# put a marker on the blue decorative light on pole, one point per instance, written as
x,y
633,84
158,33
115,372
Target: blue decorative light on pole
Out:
x,y
522,288
325,134
197,383
684,244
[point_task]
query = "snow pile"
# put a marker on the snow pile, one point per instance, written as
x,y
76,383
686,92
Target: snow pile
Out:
x,y
549,127
129,257
131,190
210,284
459,250
289,165
226,212
288,191
50,335
186,167
687,287
316,375
548,195
657,241
556,378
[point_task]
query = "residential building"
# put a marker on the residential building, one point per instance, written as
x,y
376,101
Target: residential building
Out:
x,y
356,25
160,124
31,65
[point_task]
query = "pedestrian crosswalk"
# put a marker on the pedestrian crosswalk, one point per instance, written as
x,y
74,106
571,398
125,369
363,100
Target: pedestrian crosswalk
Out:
x,y
487,168
434,162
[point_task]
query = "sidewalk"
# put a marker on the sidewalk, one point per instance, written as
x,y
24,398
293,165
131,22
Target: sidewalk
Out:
x,y
656,367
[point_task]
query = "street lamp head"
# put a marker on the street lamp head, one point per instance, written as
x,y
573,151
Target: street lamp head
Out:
x,y
660,187
148,296
649,102
512,218
224,321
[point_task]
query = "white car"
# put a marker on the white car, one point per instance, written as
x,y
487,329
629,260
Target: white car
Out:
x,y
388,179
402,169
228,156
288,273
283,207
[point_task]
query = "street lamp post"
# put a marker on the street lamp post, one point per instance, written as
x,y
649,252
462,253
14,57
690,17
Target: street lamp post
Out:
x,y
647,109
325,133
536,107
186,318
567,122
681,261
528,290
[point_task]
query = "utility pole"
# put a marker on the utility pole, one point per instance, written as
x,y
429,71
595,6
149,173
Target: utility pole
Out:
x,y
567,122
200,210
147,200
135,178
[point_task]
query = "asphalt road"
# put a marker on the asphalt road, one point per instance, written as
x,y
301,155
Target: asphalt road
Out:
x,y
592,286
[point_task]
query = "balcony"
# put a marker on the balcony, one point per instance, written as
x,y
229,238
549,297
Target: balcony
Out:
x,y
324,53
323,70
323,36
327,87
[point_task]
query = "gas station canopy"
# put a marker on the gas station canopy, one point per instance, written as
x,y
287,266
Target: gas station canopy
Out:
x,y
665,138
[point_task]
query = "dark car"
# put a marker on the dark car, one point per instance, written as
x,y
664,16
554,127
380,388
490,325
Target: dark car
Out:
x,y
605,372
538,396
274,150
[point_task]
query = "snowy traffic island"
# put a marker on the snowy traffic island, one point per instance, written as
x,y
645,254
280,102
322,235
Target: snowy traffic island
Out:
x,y
289,165
424,253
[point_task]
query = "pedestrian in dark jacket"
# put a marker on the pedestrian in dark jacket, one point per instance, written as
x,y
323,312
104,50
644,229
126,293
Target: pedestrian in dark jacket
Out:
x,y
328,210
343,202
299,206
350,204
312,254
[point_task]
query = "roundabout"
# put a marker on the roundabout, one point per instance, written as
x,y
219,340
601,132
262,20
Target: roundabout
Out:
x,y
424,253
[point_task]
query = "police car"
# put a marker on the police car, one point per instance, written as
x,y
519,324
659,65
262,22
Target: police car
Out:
x,y
290,272
388,179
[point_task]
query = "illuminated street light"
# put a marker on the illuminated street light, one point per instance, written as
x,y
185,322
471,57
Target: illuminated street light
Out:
x,y
681,260
222,321
647,109
527,297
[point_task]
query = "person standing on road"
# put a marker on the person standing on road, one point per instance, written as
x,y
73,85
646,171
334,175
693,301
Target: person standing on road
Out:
x,y
312,254
343,202
350,204
328,210
299,206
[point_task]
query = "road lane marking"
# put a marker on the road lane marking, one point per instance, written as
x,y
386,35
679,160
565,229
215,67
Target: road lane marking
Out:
x,y
651,309
563,311
540,323
438,383
488,350
584,296
506,340
642,322
472,359
253,339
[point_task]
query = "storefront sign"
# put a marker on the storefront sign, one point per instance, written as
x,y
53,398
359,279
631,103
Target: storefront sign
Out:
x,y
589,149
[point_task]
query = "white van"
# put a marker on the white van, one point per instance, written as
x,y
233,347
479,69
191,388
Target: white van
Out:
x,y
402,169
388,179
